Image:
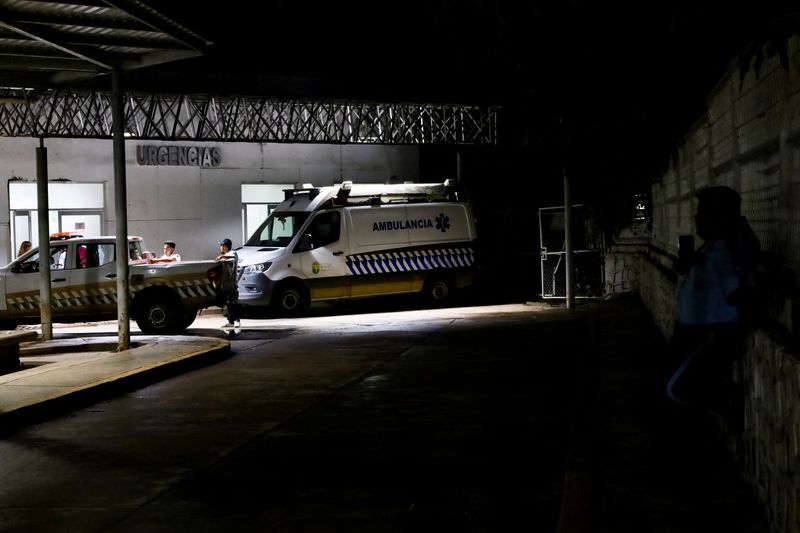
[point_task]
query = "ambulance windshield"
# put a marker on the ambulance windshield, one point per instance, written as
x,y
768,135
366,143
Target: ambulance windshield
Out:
x,y
277,230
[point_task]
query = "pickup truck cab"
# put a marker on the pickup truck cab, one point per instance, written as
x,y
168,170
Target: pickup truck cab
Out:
x,y
165,297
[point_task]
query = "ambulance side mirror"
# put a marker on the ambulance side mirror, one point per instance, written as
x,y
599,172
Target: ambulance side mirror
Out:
x,y
304,244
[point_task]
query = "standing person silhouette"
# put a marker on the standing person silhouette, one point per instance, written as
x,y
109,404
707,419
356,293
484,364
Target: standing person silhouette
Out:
x,y
713,306
226,253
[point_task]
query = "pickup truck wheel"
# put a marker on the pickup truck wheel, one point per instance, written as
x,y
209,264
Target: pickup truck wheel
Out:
x,y
188,318
159,316
290,300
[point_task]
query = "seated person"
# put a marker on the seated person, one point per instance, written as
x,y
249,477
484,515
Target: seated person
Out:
x,y
82,262
135,254
24,248
170,255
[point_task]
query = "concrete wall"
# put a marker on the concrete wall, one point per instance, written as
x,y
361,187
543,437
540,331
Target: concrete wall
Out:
x,y
196,206
749,140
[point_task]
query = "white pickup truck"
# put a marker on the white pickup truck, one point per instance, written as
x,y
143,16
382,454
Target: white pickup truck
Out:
x,y
165,297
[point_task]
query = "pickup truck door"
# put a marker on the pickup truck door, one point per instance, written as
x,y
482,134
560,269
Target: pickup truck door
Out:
x,y
22,284
93,280
324,265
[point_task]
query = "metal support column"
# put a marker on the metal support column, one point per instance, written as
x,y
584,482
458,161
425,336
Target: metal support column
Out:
x,y
121,211
43,206
568,263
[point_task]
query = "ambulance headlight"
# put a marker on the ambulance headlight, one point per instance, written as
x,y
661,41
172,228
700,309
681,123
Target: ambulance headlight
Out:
x,y
261,267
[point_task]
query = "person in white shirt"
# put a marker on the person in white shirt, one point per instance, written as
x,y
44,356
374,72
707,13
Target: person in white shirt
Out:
x,y
170,255
225,250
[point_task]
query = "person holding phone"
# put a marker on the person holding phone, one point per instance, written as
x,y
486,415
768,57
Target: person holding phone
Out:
x,y
710,310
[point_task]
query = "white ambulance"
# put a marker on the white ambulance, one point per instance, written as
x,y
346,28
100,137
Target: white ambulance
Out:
x,y
359,240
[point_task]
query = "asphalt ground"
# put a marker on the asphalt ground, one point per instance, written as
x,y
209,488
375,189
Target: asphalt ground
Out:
x,y
496,418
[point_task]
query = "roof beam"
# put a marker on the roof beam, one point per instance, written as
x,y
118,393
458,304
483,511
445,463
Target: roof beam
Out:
x,y
77,15
43,63
159,22
124,38
38,34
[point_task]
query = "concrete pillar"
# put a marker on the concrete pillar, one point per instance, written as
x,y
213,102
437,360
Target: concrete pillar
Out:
x,y
569,277
121,211
43,206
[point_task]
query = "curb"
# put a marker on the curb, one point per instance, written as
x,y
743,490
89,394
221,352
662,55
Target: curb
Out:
x,y
107,388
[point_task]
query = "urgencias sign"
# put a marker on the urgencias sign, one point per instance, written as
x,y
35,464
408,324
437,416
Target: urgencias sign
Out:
x,y
186,156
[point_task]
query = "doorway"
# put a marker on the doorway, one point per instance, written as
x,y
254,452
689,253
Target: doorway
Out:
x,y
75,207
258,201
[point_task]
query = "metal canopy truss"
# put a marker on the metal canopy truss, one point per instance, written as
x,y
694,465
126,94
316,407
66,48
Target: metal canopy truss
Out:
x,y
64,113
46,43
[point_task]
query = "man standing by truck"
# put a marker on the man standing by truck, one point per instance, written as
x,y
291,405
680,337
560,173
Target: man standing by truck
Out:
x,y
226,253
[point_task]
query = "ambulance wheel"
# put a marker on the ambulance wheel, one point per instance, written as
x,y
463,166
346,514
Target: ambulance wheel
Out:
x,y
160,316
290,300
438,290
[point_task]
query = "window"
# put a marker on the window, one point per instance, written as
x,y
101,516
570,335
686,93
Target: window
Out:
x,y
324,229
93,255
73,207
105,253
278,229
258,201
135,252
58,255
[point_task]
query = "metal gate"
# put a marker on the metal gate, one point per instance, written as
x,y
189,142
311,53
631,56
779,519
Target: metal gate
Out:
x,y
587,254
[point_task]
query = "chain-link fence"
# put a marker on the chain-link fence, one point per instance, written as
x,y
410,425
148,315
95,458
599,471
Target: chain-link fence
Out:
x,y
587,256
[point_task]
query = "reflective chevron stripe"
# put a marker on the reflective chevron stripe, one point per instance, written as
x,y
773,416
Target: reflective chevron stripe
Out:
x,y
192,288
64,299
189,289
429,259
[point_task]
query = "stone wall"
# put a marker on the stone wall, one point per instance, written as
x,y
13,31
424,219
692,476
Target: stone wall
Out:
x,y
749,139
769,450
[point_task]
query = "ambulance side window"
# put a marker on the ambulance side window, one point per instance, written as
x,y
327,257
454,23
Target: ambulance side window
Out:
x,y
325,228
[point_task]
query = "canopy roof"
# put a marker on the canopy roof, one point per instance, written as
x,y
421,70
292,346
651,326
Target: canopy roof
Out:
x,y
50,43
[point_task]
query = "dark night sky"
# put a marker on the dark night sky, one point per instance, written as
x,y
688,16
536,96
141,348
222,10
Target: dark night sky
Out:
x,y
642,61
473,50
626,78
